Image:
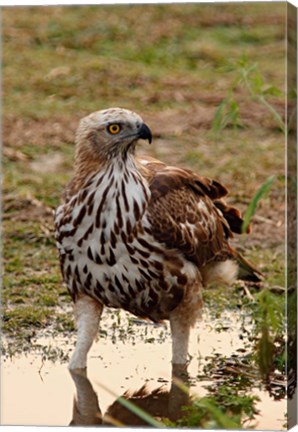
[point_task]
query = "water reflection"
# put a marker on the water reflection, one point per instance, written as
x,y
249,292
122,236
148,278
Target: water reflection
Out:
x,y
123,367
161,402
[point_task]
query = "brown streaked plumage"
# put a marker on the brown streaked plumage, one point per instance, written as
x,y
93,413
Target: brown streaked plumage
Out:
x,y
136,234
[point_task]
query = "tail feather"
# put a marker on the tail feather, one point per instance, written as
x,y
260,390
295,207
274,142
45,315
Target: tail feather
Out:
x,y
247,271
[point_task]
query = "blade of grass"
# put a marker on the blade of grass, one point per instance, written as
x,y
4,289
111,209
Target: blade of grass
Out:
x,y
218,121
256,93
263,189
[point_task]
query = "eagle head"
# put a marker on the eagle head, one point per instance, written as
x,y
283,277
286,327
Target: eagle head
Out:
x,y
109,133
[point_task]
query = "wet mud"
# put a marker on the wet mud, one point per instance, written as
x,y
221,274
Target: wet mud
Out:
x,y
38,391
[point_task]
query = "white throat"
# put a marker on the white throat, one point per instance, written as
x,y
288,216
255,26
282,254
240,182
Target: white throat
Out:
x,y
122,194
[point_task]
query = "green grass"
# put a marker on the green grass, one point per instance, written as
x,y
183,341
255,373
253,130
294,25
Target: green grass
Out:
x,y
119,53
179,68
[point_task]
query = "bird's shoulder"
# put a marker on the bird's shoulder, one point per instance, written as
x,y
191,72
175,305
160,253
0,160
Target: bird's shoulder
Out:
x,y
163,178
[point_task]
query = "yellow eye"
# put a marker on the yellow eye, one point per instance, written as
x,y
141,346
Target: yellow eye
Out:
x,y
114,128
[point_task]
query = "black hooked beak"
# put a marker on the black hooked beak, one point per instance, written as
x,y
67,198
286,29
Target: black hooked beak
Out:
x,y
145,133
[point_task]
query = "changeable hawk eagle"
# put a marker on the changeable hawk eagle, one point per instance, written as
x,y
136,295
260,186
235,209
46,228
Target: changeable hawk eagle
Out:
x,y
136,234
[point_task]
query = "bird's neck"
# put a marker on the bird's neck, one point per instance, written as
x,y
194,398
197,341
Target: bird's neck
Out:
x,y
87,165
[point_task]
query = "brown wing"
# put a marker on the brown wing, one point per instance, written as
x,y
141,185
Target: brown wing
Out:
x,y
186,212
232,216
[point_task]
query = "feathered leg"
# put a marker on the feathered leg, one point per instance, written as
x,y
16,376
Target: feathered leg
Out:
x,y
182,319
180,339
87,314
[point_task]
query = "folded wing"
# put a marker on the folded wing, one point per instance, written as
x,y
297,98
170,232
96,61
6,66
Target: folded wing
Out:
x,y
187,213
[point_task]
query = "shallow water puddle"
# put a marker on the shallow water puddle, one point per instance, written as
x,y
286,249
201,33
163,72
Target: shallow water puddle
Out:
x,y
37,392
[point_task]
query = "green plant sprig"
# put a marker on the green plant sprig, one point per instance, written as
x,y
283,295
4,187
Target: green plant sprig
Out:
x,y
249,76
251,209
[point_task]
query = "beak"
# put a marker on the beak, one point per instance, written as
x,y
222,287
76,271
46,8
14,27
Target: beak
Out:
x,y
145,133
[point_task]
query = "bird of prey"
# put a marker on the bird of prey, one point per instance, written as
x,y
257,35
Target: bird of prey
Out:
x,y
136,234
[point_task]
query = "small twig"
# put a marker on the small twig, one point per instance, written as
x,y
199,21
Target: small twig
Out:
x,y
39,371
263,219
248,293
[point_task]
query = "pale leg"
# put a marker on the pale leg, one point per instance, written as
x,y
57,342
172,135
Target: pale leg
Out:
x,y
180,339
87,314
182,319
86,411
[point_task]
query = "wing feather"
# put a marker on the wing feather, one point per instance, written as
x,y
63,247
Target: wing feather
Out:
x,y
187,213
